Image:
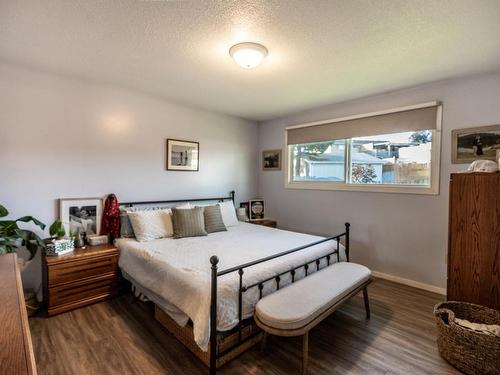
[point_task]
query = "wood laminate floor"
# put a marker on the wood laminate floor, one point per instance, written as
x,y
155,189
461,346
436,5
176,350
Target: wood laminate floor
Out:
x,y
120,336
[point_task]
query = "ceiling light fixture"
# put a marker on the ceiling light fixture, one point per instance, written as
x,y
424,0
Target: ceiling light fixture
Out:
x,y
248,55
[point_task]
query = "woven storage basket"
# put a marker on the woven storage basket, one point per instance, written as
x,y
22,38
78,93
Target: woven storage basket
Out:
x,y
470,351
31,303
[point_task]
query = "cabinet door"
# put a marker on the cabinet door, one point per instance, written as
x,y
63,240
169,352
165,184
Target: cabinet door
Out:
x,y
474,238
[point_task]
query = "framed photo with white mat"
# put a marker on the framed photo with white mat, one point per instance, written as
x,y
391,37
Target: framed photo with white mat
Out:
x,y
81,214
183,155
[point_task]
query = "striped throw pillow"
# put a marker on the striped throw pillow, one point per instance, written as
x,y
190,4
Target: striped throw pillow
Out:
x,y
213,219
188,222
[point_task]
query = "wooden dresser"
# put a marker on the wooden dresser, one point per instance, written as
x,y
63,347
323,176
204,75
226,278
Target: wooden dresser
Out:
x,y
474,239
16,350
80,278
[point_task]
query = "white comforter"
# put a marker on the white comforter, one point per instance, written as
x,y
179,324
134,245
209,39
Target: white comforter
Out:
x,y
178,270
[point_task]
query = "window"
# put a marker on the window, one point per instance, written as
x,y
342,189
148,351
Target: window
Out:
x,y
395,159
362,153
321,161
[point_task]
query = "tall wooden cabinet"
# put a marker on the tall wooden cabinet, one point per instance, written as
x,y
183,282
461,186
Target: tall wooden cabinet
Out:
x,y
474,239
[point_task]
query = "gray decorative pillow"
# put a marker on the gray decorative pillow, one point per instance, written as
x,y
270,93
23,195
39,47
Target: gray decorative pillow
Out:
x,y
188,222
213,219
126,230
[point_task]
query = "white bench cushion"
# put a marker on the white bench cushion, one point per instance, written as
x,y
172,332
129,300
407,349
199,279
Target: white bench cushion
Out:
x,y
297,304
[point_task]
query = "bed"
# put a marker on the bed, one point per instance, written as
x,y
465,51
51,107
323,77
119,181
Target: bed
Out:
x,y
210,285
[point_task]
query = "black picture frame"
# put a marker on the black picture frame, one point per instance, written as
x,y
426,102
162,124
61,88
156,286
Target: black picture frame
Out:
x,y
183,155
253,213
271,160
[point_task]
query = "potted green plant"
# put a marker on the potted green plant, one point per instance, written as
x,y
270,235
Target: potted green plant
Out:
x,y
12,237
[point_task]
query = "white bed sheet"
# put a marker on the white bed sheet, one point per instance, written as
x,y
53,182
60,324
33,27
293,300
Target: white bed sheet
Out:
x,y
178,270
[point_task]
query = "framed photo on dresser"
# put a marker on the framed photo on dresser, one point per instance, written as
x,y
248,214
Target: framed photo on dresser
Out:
x,y
81,214
183,155
243,212
256,209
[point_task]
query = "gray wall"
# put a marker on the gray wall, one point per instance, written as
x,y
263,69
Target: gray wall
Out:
x,y
67,138
399,234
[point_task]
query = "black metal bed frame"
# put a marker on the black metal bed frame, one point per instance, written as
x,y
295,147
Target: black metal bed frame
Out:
x,y
217,199
214,260
215,273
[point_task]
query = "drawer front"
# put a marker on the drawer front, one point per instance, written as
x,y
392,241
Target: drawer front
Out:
x,y
81,269
82,290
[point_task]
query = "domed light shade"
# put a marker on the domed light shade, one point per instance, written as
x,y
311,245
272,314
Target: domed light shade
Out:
x,y
248,55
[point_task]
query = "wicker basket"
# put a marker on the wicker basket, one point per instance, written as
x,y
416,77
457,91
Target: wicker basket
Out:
x,y
31,303
469,351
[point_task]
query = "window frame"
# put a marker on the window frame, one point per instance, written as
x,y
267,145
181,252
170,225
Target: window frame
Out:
x,y
433,189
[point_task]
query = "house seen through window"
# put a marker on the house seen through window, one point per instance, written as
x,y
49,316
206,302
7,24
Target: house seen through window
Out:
x,y
399,158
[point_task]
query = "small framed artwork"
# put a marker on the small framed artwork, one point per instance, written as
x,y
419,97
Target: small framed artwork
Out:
x,y
271,160
471,144
81,214
243,211
256,209
183,155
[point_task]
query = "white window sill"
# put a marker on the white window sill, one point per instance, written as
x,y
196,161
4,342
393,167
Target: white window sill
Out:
x,y
399,189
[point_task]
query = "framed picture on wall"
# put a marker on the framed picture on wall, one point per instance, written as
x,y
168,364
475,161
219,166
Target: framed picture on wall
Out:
x,y
256,209
81,214
271,160
183,155
475,144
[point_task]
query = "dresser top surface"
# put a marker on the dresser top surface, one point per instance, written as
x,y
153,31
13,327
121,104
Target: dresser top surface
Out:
x,y
466,174
84,253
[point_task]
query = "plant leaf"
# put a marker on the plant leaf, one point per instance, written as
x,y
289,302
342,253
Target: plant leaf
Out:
x,y
8,227
3,211
8,248
22,234
33,243
32,248
26,219
57,229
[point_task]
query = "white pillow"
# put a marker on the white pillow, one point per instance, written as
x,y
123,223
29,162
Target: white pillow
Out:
x,y
185,206
151,224
228,213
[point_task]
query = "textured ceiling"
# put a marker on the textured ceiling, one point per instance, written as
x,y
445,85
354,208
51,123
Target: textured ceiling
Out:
x,y
319,51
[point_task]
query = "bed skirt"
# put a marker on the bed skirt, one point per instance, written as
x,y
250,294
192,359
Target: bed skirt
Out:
x,y
227,344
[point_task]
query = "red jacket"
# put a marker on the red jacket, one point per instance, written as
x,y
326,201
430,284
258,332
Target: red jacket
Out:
x,y
110,223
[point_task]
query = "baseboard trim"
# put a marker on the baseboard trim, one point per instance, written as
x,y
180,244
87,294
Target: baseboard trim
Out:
x,y
413,283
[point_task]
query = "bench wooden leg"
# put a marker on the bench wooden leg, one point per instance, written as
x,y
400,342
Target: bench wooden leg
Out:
x,y
263,343
305,352
367,302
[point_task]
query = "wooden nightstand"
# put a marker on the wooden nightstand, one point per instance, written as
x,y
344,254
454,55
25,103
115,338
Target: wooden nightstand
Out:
x,y
264,222
79,278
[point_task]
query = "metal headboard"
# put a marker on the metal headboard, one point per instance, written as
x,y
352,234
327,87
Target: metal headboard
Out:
x,y
220,199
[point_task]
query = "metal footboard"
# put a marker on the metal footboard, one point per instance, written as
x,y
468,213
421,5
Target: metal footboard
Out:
x,y
214,260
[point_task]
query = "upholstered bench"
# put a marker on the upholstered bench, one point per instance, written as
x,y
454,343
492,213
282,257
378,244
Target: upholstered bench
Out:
x,y
298,307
